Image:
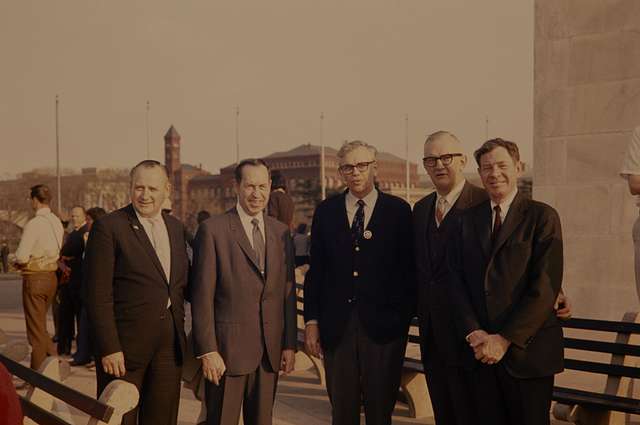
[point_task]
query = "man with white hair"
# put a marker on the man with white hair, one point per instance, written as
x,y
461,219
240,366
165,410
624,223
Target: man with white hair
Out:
x,y
359,291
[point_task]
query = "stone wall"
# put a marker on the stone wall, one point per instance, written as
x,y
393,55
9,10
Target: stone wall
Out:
x,y
587,101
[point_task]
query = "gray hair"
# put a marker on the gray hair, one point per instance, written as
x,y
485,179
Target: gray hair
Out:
x,y
353,145
440,134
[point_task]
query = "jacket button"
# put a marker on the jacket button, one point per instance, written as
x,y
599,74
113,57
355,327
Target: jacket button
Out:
x,y
487,292
357,249
355,274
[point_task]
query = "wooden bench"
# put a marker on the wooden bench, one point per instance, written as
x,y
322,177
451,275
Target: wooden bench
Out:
x,y
413,386
118,397
614,403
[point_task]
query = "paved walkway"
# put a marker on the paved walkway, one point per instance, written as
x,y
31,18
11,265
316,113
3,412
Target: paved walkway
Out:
x,y
300,399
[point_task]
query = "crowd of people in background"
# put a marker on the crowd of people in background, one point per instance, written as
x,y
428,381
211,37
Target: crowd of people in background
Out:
x,y
480,267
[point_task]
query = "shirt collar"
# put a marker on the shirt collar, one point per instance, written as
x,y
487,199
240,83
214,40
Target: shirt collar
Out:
x,y
246,218
506,203
43,211
142,219
453,195
369,200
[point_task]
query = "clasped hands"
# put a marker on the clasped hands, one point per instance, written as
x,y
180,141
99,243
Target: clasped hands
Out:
x,y
488,348
213,367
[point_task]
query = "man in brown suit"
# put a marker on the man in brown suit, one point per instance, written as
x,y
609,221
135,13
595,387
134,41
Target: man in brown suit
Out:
x,y
243,303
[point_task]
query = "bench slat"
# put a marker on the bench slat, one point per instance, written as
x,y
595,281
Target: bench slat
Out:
x,y
602,368
60,391
603,401
39,415
602,347
602,325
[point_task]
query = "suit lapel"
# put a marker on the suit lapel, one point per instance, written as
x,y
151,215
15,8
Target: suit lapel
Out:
x,y
424,226
378,211
271,245
511,222
483,228
138,229
240,236
174,242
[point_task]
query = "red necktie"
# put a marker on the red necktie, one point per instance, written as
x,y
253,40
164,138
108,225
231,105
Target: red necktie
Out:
x,y
497,223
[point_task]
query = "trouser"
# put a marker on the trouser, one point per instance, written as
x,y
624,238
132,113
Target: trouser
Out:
x,y
67,314
158,381
362,371
449,386
38,291
84,345
507,400
254,393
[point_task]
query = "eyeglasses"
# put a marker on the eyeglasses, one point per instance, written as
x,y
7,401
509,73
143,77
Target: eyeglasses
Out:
x,y
447,159
350,168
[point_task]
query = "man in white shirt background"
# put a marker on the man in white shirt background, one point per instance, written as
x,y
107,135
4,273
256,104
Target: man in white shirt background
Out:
x,y
37,258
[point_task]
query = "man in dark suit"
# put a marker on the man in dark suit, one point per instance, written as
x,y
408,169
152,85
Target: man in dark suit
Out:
x,y
506,268
135,281
69,293
445,357
359,291
244,304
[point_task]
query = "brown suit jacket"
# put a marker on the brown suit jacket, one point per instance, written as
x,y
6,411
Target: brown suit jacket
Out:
x,y
236,311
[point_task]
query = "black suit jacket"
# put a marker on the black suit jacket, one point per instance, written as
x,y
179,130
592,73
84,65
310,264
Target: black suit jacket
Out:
x,y
383,291
435,306
74,247
510,288
126,287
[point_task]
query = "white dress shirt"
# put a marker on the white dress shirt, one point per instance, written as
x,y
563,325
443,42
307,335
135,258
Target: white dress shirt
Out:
x,y
351,202
160,242
504,207
41,238
450,198
247,225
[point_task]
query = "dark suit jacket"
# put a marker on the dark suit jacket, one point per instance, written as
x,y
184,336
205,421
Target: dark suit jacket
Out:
x,y
126,288
235,310
435,307
74,247
382,293
510,288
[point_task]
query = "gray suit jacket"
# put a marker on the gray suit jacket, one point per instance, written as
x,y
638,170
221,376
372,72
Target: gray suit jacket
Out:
x,y
236,311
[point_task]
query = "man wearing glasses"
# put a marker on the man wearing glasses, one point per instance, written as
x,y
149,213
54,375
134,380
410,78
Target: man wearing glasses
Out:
x,y
358,291
444,356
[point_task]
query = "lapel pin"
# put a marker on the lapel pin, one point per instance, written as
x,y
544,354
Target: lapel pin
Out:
x,y
368,234
135,227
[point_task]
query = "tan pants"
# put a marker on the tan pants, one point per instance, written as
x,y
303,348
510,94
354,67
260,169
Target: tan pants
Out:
x,y
38,290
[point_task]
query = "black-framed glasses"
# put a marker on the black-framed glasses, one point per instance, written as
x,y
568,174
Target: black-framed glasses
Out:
x,y
350,168
446,159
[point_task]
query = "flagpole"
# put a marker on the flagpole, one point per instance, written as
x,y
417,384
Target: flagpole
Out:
x,y
322,159
406,141
237,134
58,157
148,131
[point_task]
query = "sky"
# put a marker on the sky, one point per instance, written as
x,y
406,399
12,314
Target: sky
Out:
x,y
364,64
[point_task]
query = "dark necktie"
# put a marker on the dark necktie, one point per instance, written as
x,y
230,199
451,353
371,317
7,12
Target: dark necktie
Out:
x,y
357,227
258,244
497,223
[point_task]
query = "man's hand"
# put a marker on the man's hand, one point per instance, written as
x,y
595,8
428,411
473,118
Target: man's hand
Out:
x,y
213,367
477,338
113,364
287,360
493,349
563,307
312,340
